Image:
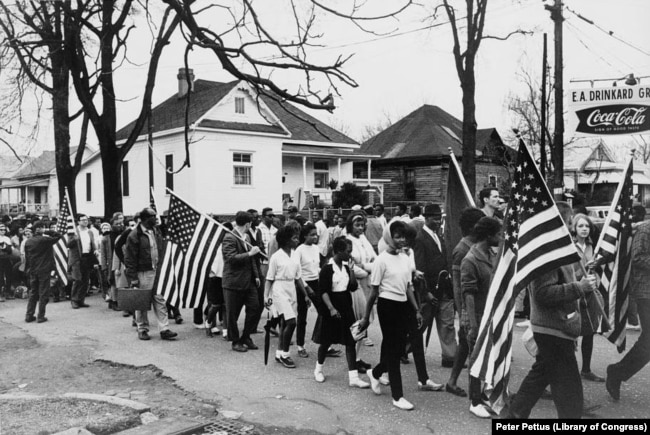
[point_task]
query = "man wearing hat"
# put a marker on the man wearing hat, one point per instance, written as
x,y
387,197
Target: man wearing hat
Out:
x,y
431,259
142,256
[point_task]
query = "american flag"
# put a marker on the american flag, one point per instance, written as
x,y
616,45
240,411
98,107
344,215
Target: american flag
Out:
x,y
65,223
536,242
190,250
615,245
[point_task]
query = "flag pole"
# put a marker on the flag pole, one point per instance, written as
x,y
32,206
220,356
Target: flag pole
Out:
x,y
216,222
470,199
74,222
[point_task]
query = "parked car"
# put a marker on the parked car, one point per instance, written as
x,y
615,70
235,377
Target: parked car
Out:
x,y
598,214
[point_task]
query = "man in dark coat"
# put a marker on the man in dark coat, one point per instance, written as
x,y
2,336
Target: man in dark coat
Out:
x,y
431,259
39,264
240,282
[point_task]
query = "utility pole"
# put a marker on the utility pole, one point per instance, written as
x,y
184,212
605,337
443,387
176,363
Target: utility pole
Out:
x,y
542,137
557,155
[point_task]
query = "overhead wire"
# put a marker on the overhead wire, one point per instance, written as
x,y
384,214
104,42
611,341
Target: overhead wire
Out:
x,y
608,32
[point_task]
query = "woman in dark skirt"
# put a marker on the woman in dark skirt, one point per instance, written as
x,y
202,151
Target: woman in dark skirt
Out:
x,y
333,325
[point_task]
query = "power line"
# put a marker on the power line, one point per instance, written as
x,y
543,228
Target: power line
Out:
x,y
575,31
609,32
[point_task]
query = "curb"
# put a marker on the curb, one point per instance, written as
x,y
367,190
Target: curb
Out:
x,y
136,406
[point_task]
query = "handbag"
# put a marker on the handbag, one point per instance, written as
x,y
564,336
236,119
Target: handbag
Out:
x,y
358,335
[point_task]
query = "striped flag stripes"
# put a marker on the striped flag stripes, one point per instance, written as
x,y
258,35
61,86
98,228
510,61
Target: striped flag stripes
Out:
x,y
615,246
190,250
536,242
64,224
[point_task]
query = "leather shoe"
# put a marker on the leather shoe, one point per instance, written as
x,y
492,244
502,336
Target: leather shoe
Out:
x,y
612,385
143,335
83,305
238,347
168,335
75,306
41,320
455,390
591,376
30,319
250,345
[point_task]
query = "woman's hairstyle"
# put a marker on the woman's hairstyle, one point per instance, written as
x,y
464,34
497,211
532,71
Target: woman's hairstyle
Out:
x,y
398,227
295,227
284,236
352,218
486,227
340,244
306,230
576,219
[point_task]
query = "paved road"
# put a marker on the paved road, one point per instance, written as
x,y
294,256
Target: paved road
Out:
x,y
276,396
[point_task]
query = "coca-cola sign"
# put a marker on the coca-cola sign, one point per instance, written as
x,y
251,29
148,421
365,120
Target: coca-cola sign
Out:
x,y
614,119
609,111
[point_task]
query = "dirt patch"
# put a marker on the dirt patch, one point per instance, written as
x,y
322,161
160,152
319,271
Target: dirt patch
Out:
x,y
47,416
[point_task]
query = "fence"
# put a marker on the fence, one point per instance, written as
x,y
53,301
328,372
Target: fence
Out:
x,y
18,209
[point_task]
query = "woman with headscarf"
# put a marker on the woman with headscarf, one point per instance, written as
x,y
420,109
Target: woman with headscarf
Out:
x,y
362,256
393,290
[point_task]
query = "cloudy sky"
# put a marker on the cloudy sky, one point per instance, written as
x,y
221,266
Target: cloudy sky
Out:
x,y
408,62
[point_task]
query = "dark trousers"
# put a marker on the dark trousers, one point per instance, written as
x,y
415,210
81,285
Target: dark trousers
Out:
x,y
474,383
556,365
462,352
393,321
80,287
215,305
39,292
416,341
639,355
235,300
301,315
6,269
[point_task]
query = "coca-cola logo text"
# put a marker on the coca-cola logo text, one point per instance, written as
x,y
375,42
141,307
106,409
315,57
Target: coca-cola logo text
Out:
x,y
614,119
627,116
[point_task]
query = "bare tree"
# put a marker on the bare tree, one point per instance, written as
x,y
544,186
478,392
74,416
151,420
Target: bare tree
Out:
x,y
33,45
96,46
465,59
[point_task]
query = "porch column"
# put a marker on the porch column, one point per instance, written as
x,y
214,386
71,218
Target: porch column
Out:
x,y
338,162
369,161
304,173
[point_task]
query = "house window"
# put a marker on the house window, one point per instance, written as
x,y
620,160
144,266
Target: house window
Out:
x,y
242,169
409,184
492,180
239,104
125,178
321,174
169,173
89,187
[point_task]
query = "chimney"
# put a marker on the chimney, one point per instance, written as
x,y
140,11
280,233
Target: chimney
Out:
x,y
182,81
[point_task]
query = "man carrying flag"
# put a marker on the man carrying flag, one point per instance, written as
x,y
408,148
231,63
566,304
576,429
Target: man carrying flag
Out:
x,y
538,250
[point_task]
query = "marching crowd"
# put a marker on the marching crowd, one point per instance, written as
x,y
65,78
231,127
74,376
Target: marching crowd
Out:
x,y
355,270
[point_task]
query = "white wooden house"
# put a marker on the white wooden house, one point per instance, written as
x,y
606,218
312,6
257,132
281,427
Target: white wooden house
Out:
x,y
245,152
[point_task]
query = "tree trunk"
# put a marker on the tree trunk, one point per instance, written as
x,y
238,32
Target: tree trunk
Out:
x,y
111,174
65,173
469,125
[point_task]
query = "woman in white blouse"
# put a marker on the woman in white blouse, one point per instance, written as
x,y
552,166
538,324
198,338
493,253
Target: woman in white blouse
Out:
x,y
363,255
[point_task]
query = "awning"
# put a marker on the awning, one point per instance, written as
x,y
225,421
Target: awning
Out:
x,y
34,183
324,152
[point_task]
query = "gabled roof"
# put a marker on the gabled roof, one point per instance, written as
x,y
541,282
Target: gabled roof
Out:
x,y
40,165
9,165
427,132
170,115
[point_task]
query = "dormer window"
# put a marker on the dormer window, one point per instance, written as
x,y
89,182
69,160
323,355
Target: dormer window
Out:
x,y
239,104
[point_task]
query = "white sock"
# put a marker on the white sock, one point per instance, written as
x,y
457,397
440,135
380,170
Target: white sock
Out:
x,y
278,353
319,368
353,375
286,354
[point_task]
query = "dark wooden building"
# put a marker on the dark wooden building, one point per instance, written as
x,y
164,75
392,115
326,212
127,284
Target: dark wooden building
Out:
x,y
415,157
